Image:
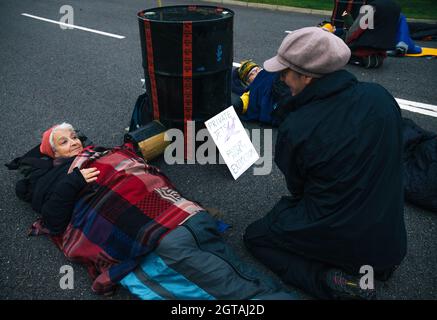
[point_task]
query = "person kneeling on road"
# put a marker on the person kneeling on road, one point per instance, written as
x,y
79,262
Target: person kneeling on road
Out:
x,y
339,146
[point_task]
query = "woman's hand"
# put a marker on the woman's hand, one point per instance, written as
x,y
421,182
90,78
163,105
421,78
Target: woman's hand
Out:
x,y
90,174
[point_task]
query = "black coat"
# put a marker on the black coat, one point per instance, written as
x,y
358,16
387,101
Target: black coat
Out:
x,y
47,186
340,148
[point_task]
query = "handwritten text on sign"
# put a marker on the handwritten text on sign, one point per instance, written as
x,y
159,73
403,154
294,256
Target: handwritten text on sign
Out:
x,y
232,141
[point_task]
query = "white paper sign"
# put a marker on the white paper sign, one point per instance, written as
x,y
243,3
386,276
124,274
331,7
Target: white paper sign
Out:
x,y
231,139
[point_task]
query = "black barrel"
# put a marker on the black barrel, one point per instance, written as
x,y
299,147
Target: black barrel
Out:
x,y
187,54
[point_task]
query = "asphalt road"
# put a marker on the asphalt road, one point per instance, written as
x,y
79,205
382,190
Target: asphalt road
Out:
x,y
48,75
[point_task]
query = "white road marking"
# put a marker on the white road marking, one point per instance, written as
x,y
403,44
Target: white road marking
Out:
x,y
74,26
419,105
416,110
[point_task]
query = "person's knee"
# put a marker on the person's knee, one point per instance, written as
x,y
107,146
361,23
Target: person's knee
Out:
x,y
256,234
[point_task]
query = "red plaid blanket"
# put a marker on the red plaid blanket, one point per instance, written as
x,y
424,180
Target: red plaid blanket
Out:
x,y
121,217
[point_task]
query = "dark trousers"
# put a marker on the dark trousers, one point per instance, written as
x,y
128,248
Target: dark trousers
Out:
x,y
297,270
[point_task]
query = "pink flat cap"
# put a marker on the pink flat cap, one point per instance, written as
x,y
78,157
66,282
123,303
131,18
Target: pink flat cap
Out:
x,y
311,51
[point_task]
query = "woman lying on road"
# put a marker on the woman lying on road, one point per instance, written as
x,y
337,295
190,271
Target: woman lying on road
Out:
x,y
124,220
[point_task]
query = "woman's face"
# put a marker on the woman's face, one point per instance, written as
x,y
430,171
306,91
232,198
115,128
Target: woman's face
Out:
x,y
67,143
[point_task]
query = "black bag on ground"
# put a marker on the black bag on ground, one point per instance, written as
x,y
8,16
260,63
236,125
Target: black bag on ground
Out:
x,y
141,114
149,140
420,166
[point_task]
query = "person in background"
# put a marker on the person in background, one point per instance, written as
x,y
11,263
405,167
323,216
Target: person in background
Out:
x,y
256,92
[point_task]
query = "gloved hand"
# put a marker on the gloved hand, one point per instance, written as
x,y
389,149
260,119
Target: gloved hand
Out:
x,y
326,25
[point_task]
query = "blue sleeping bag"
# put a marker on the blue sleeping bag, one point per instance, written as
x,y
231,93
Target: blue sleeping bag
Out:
x,y
193,262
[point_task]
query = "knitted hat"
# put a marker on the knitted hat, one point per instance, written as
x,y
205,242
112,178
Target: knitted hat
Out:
x,y
245,68
311,51
45,147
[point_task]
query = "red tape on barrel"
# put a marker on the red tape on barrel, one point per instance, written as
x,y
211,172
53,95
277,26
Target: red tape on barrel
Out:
x,y
187,65
151,69
349,6
334,13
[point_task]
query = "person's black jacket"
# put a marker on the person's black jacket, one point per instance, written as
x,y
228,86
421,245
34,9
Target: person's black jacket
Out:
x,y
47,186
339,146
420,166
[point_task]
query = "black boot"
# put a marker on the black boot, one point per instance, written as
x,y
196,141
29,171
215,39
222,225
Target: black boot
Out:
x,y
344,286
